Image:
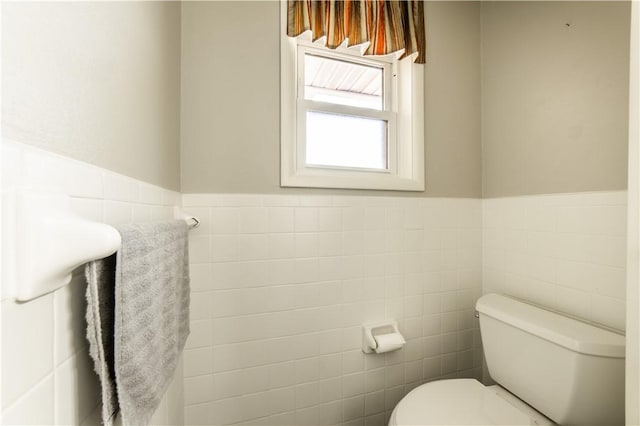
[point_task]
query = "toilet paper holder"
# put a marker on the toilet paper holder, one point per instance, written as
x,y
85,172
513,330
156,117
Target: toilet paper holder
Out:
x,y
388,329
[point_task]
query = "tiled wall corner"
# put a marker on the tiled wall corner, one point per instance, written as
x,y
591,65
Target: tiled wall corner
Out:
x,y
47,375
566,252
282,284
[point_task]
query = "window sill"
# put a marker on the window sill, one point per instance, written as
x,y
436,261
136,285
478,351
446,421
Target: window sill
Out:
x,y
323,178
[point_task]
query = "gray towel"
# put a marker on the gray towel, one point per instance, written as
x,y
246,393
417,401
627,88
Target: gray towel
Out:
x,y
138,318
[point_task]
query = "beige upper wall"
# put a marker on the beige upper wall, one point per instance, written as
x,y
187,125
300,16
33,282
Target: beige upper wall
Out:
x,y
231,99
96,81
100,82
452,99
554,96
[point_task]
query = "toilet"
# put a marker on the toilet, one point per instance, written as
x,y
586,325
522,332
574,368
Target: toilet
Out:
x,y
550,369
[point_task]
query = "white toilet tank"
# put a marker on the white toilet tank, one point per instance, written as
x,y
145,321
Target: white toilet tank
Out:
x,y
570,371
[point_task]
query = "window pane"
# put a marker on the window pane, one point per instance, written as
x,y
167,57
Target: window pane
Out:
x,y
346,141
342,82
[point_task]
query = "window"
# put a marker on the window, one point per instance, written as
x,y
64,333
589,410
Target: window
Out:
x,y
350,121
344,111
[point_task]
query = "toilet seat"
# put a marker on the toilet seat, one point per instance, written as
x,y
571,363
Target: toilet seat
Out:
x,y
463,402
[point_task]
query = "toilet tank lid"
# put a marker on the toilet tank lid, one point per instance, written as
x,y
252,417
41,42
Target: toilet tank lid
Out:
x,y
572,334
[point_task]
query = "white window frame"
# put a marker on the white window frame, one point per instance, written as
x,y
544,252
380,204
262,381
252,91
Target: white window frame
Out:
x,y
404,113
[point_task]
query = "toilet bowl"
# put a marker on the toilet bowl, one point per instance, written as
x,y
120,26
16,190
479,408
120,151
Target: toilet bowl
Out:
x,y
550,369
463,402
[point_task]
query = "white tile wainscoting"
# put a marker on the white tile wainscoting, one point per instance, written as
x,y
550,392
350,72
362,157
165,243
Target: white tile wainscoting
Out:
x,y
566,252
282,284
47,375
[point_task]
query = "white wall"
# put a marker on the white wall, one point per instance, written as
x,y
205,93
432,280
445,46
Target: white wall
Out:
x,y
566,252
633,246
282,284
47,376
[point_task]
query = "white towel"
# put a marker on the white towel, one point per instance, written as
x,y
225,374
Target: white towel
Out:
x,y
138,318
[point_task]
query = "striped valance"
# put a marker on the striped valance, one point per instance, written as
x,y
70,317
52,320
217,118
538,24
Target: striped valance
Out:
x,y
389,26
